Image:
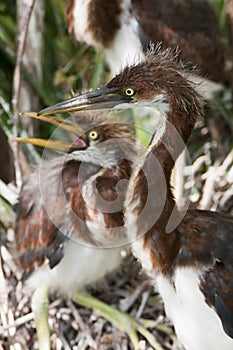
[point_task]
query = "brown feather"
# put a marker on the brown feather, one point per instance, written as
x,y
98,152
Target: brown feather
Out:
x,y
190,25
51,206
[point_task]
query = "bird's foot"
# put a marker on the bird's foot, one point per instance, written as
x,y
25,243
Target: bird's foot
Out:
x,y
120,319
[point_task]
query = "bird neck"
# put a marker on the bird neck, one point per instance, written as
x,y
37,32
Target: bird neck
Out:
x,y
170,139
157,214
166,145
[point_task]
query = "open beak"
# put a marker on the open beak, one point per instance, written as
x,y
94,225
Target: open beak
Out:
x,y
51,144
56,121
102,98
55,144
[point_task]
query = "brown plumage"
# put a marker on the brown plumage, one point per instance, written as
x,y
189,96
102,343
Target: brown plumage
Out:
x,y
122,28
190,25
63,208
188,255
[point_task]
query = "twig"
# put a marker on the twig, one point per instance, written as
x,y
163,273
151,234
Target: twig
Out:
x,y
6,314
84,327
3,290
225,203
18,322
7,258
8,193
21,40
59,342
145,296
211,177
126,304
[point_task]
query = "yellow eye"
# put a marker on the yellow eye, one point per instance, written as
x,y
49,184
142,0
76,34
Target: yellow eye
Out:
x,y
93,135
129,91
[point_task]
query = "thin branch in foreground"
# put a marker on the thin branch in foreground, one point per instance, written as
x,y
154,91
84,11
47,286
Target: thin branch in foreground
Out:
x,y
21,40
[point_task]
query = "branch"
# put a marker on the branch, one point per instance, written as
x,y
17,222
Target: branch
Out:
x,y
22,35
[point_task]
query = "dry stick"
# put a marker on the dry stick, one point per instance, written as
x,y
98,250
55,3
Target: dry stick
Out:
x,y
18,322
208,188
21,40
84,327
6,314
127,302
3,290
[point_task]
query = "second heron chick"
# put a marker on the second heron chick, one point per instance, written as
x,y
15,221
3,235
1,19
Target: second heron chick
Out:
x,y
69,220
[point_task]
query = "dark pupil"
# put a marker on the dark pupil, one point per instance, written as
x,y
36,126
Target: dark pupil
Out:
x,y
129,92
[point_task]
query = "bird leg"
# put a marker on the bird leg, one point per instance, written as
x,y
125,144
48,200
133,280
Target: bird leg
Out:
x,y
120,319
40,310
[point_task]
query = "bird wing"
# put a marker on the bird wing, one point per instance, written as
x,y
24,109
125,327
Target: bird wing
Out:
x,y
208,241
191,25
41,220
217,286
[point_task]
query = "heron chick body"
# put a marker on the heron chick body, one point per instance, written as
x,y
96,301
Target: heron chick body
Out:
x,y
123,29
67,233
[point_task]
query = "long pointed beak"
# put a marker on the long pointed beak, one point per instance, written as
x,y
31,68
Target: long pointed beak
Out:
x,y
57,145
51,144
59,122
102,98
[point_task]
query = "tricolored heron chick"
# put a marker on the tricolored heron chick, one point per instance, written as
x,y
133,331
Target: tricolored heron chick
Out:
x,y
69,218
122,29
189,256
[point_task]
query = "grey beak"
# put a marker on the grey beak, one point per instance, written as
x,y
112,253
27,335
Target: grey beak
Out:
x,y
102,98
